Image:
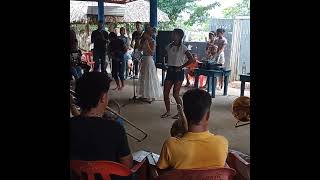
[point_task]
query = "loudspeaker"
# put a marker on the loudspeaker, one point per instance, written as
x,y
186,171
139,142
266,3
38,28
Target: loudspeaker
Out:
x,y
163,39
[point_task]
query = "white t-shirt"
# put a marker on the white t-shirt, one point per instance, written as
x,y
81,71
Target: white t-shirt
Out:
x,y
177,55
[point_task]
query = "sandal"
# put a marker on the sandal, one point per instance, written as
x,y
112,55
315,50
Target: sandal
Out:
x,y
176,116
150,100
167,114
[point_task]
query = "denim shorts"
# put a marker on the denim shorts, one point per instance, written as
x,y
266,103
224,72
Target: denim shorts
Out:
x,y
173,75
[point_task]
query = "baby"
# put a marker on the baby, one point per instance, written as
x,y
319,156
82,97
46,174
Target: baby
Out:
x,y
179,127
177,130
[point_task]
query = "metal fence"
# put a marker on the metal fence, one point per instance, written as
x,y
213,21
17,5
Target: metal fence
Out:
x,y
237,52
227,25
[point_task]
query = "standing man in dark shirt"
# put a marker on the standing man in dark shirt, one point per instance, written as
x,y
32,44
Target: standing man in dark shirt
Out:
x,y
99,38
116,50
93,137
135,44
73,41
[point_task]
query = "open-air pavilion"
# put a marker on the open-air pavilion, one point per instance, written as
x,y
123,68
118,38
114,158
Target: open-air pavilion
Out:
x,y
147,116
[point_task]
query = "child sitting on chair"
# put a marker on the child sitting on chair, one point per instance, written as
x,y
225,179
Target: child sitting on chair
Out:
x,y
190,69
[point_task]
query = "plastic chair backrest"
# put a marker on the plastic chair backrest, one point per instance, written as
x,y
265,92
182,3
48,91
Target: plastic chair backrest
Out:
x,y
104,168
240,165
196,174
202,81
88,57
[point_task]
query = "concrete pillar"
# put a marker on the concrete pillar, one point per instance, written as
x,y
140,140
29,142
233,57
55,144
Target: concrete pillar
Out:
x,y
154,19
101,11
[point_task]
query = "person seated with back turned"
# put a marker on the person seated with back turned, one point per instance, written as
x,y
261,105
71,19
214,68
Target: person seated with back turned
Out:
x,y
93,137
197,148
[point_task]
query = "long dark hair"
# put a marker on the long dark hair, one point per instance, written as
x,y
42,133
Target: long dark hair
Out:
x,y
180,34
142,38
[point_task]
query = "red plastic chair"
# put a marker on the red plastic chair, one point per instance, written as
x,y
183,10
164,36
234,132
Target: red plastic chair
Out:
x,y
240,165
107,168
202,79
196,174
88,59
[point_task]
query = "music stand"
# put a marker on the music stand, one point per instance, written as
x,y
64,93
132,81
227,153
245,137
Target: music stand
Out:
x,y
134,98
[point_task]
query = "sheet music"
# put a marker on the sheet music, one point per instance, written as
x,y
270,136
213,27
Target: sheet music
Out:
x,y
153,158
140,155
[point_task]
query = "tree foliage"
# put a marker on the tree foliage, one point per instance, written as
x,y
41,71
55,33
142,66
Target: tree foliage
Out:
x,y
198,14
174,7
240,9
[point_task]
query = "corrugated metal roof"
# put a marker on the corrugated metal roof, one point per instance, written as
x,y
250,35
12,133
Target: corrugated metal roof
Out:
x,y
108,10
79,10
140,11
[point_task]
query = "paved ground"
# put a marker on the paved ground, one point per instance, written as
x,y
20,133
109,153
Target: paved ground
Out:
x,y
147,117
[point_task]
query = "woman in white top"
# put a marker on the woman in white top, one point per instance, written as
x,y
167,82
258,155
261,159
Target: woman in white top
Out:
x,y
148,84
177,53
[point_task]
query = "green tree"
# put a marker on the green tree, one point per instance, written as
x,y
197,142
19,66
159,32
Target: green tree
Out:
x,y
207,25
174,7
199,14
239,9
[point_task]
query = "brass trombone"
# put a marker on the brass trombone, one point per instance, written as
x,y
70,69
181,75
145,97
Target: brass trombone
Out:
x,y
128,122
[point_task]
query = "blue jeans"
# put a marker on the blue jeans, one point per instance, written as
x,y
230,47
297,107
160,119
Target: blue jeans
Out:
x,y
127,56
125,67
76,72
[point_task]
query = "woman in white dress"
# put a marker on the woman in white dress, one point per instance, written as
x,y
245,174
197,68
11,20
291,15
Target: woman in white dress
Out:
x,y
148,84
